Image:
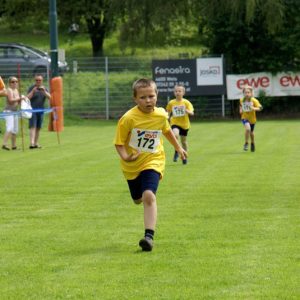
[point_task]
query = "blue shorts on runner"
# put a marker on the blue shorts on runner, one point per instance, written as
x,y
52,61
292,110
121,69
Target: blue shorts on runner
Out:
x,y
147,180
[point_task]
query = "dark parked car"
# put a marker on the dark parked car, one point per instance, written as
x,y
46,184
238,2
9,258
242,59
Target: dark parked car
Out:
x,y
30,61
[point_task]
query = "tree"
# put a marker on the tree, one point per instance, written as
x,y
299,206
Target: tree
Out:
x,y
255,36
17,12
99,16
143,22
150,23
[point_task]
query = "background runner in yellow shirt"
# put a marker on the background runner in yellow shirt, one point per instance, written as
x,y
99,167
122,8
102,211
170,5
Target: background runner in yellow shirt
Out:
x,y
179,110
248,108
139,144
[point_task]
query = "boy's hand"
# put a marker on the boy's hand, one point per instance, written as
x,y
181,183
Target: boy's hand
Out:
x,y
133,156
189,112
183,154
124,155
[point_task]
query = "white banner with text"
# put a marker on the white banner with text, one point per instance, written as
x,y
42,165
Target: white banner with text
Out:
x,y
210,71
280,84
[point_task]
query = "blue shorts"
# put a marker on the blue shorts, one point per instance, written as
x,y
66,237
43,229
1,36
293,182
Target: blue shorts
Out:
x,y
36,121
183,132
147,180
244,121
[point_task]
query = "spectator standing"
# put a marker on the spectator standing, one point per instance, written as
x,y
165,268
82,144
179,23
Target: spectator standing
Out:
x,y
37,94
13,99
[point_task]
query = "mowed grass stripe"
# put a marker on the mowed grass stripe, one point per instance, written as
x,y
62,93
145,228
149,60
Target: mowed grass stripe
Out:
x,y
227,228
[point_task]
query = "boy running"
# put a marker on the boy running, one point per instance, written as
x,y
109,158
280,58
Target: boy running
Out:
x,y
248,108
179,110
139,144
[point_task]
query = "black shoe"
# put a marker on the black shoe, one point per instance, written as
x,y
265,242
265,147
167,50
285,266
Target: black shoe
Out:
x,y
146,244
184,161
175,156
33,147
252,147
14,148
4,147
246,147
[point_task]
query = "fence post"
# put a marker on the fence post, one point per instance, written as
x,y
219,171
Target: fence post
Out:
x,y
224,80
223,106
75,66
106,88
48,76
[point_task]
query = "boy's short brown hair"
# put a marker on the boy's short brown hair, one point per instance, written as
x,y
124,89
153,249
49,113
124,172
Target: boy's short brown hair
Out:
x,y
179,86
142,83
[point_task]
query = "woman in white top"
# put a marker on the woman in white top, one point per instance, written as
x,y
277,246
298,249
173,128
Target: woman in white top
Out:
x,y
13,99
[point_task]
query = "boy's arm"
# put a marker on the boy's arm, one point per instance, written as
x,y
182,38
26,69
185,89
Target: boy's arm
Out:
x,y
256,107
169,112
124,155
189,109
189,112
172,139
241,109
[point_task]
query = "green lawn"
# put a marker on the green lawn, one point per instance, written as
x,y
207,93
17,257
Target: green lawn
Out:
x,y
228,224
82,45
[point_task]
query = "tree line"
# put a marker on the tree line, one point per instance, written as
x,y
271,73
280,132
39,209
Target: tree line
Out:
x,y
253,35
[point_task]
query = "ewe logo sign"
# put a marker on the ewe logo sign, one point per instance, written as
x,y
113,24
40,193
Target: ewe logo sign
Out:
x,y
202,76
274,85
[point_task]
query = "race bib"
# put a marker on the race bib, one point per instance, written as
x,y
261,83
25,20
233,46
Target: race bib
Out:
x,y
178,111
247,106
145,140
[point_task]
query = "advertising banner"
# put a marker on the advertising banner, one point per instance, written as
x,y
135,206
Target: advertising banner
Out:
x,y
168,73
281,84
286,84
210,71
202,76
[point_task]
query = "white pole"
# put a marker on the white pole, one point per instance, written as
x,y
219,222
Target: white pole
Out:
x,y
75,66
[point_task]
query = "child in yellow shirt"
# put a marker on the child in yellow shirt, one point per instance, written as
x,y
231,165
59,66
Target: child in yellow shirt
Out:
x,y
139,143
179,110
248,108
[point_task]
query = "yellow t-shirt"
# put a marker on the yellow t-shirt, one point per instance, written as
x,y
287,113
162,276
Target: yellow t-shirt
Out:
x,y
140,131
247,113
179,116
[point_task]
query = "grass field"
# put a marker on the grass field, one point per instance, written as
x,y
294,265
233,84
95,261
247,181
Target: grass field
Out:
x,y
82,46
228,224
